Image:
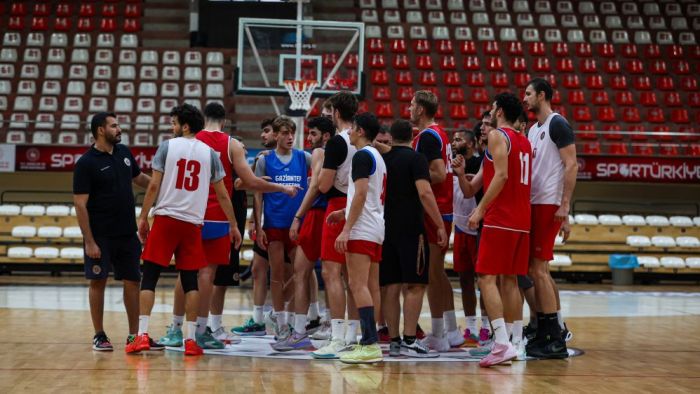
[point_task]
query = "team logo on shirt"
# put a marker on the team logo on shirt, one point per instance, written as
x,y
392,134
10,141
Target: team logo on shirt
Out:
x,y
127,162
542,135
96,269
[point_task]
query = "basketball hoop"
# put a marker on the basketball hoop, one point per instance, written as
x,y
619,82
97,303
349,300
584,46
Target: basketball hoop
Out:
x,y
300,93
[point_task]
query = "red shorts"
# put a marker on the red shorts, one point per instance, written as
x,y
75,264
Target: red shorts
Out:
x,y
280,235
503,252
170,236
464,252
331,231
310,232
543,231
431,232
369,248
218,250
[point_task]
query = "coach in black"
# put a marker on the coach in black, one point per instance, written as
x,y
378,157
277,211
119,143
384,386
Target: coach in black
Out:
x,y
104,204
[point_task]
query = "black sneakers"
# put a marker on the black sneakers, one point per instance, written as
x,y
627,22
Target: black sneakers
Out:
x,y
101,343
547,348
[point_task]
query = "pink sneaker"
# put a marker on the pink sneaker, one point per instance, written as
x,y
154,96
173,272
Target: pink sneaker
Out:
x,y
470,338
499,354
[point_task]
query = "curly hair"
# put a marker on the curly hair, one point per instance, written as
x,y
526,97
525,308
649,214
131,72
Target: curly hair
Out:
x,y
189,115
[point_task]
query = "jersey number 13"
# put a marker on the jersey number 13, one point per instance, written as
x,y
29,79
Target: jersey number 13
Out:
x,y
187,174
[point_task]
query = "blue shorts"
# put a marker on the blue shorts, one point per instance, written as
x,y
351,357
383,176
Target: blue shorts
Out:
x,y
121,254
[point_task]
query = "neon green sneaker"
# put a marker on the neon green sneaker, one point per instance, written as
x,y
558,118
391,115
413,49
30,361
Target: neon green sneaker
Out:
x,y
172,338
250,329
206,340
363,354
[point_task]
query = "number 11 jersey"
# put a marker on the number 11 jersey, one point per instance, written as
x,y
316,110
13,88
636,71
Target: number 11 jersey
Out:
x,y
189,166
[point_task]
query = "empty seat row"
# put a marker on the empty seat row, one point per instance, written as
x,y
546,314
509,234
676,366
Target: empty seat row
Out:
x,y
63,8
636,220
107,56
668,262
662,241
143,138
66,24
44,252
46,232
41,210
79,40
105,72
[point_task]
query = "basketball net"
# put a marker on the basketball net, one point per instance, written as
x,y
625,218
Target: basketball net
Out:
x,y
300,92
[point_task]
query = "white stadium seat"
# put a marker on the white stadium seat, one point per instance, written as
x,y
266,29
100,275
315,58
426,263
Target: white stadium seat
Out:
x,y
68,138
396,31
696,221
58,40
657,221
23,231
72,253
215,58
72,210
149,72
215,90
105,40
49,232
586,219
129,41
634,220
19,252
638,241
44,122
193,58
663,241
692,262
248,255
672,262
681,221
558,240
171,57
16,137
171,73
57,210
29,71
33,210
193,74
72,232
561,260
9,210
126,72
688,242
104,56
215,74
610,220
521,6
11,39
648,261
77,71
127,56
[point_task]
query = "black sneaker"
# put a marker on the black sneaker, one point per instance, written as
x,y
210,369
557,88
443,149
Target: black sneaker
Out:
x,y
155,345
313,326
101,343
529,332
548,349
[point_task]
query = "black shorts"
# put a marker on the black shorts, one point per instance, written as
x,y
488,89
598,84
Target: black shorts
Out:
x,y
228,275
404,260
121,254
524,282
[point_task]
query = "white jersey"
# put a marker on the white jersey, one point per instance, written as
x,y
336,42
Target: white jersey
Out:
x,y
188,166
547,166
370,224
343,172
462,208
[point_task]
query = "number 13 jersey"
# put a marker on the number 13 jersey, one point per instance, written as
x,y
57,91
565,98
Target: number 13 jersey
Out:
x,y
511,208
188,166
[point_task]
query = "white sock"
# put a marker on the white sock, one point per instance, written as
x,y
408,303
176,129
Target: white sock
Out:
x,y
258,314
143,324
485,322
313,311
517,332
561,320
191,330
177,321
351,331
281,318
291,316
438,325
327,314
471,324
499,331
201,325
300,324
338,329
215,322
509,329
450,320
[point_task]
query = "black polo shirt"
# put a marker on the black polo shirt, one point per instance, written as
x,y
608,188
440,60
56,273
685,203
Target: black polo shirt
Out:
x,y
107,179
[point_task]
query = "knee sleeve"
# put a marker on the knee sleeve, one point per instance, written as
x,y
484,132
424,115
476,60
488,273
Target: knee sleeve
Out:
x,y
524,282
151,273
188,279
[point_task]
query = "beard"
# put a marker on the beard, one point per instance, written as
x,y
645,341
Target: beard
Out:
x,y
461,151
113,139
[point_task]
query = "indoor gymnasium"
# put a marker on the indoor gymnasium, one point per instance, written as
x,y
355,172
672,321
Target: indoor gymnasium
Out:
x,y
349,196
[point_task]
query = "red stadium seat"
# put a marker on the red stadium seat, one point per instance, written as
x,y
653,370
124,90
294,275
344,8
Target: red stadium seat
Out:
x,y
377,61
476,79
428,78
480,109
109,10
693,150
518,64
455,95
85,25
588,66
40,24
600,97
571,81
662,136
672,99
384,110
423,62
585,132
132,11
16,23
591,148
643,149
87,10
642,83
606,114
576,97
648,99
594,82
629,51
447,62
624,98
468,48
652,51
131,25
659,67
582,114
405,111
664,83
382,93
613,132
351,60
404,78
515,48
694,99
606,50
634,66
565,65
400,62
471,63
694,52
62,24
522,79
639,133
552,79
108,25
583,49
680,116
618,82
689,84
542,64
406,93
459,111
421,46
499,80
479,95
375,45
537,49
398,45
379,77
655,115
674,52
680,67
556,97
494,64
561,49
451,78
41,9
611,66
18,9
491,48
64,9
668,149
445,47
631,115
617,148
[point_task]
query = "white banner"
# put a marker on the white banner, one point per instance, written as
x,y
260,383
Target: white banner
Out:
x,y
7,158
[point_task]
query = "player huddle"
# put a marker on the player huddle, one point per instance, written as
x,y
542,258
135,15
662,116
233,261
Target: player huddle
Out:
x,y
377,208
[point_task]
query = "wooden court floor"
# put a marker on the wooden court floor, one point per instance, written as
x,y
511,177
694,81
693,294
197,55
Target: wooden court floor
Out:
x,y
629,348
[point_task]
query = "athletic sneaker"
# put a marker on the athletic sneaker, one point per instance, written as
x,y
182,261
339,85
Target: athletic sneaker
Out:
x,y
548,349
330,351
101,343
155,345
470,338
206,340
529,332
250,329
313,325
394,349
481,351
455,338
172,338
323,333
221,334
283,333
139,343
363,354
417,349
420,334
293,342
520,351
499,354
383,335
566,335
435,343
192,349
484,337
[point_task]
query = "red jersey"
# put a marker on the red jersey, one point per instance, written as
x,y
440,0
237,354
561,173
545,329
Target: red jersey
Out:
x,y
511,208
218,141
443,190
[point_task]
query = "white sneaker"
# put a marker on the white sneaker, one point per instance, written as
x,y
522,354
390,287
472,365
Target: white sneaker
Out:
x,y
330,351
225,336
455,337
417,349
435,343
323,333
520,350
